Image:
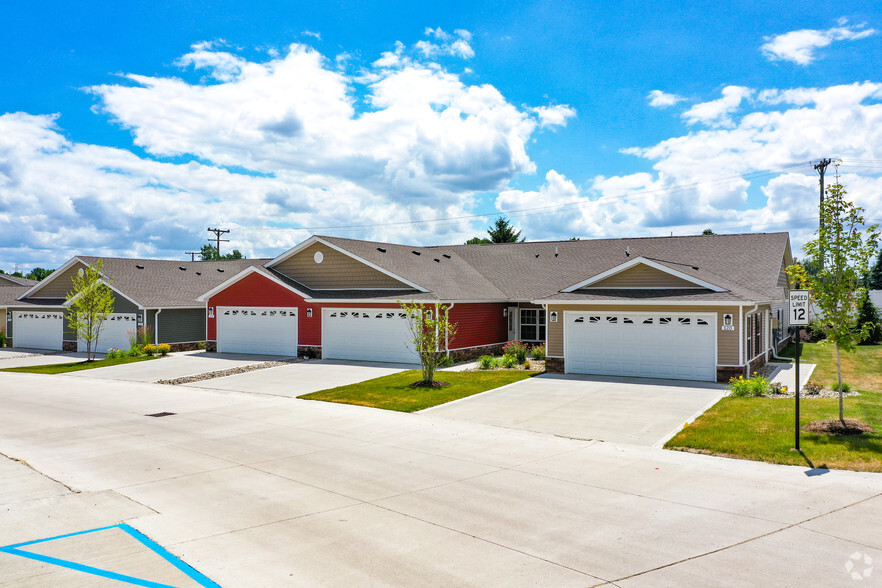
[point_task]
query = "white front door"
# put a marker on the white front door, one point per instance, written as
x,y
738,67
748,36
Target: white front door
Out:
x,y
260,330
513,320
367,334
37,329
116,332
650,345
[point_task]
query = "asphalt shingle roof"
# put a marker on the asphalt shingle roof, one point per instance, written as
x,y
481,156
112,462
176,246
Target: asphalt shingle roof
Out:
x,y
746,265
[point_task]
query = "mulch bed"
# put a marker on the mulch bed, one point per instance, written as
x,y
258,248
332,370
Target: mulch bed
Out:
x,y
425,384
836,427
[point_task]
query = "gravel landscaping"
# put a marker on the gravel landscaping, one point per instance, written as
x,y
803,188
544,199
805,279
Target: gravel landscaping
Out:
x,y
228,372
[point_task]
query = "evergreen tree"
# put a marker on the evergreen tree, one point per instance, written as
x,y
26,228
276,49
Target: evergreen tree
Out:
x,y
874,279
869,314
503,232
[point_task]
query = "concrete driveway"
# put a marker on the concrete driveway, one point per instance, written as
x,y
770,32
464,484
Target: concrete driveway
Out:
x,y
256,490
622,410
304,377
10,358
176,365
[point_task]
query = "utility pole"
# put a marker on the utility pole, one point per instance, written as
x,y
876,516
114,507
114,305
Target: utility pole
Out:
x,y
821,167
192,254
217,234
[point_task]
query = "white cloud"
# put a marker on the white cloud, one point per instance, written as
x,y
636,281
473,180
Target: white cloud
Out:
x,y
800,46
716,112
456,45
314,35
660,99
554,116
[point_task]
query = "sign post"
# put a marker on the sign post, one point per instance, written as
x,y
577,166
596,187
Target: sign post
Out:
x,y
798,311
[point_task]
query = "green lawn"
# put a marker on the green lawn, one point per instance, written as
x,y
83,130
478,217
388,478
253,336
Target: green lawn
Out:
x,y
63,368
762,429
394,393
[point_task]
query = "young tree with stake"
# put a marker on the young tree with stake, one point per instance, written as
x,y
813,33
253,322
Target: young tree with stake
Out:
x,y
432,332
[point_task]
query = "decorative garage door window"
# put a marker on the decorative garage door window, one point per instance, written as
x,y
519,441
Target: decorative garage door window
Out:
x,y
40,315
656,345
248,312
379,315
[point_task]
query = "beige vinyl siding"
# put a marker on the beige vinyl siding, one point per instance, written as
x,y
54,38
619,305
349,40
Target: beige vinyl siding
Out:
x,y
642,276
727,341
336,271
60,285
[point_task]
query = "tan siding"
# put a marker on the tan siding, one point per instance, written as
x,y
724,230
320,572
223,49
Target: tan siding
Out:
x,y
643,276
727,341
59,286
336,271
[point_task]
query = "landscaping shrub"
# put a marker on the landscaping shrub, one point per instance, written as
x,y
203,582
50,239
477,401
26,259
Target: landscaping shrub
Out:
x,y
812,388
509,361
538,352
113,353
816,331
149,349
164,349
755,386
445,361
846,387
134,351
527,364
485,362
777,388
515,349
2,338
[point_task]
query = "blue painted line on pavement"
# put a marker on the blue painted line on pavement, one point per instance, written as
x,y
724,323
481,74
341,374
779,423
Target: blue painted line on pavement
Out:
x,y
137,535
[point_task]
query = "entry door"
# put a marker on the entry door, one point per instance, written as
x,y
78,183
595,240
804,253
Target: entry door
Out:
x,y
513,322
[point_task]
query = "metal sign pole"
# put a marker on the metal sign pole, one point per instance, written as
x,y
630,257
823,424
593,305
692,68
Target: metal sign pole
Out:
x,y
798,345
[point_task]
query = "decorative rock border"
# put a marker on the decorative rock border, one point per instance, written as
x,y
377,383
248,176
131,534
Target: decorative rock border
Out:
x,y
227,372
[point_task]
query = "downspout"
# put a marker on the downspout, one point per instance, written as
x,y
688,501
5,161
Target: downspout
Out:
x,y
446,334
156,326
747,314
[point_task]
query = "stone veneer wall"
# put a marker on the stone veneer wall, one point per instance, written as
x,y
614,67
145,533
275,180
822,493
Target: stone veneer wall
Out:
x,y
309,351
554,365
471,353
724,374
69,346
756,364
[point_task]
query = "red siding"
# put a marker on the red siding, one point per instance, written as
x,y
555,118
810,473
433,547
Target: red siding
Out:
x,y
478,324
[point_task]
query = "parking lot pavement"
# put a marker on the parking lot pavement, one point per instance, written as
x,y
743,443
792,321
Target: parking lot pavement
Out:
x,y
175,365
262,490
304,377
623,410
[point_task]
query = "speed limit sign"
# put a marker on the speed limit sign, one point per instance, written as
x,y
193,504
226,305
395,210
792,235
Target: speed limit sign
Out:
x,y
799,307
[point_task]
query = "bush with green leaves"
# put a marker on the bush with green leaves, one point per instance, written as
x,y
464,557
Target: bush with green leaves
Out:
x,y
538,352
812,388
445,361
2,338
868,314
114,353
509,361
163,349
486,362
134,351
777,388
515,349
755,386
149,349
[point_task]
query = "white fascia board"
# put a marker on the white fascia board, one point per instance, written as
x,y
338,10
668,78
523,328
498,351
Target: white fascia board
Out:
x,y
642,260
651,302
64,267
356,301
116,290
244,274
315,239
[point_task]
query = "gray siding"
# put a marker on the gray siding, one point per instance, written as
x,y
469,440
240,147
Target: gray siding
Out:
x,y
121,305
69,334
181,325
150,321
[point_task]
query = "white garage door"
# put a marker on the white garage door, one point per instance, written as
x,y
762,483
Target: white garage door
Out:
x,y
367,334
115,333
37,329
271,331
648,345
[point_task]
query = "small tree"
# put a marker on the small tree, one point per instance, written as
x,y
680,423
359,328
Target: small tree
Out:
x,y
210,253
842,252
432,331
91,302
874,277
39,274
708,232
503,232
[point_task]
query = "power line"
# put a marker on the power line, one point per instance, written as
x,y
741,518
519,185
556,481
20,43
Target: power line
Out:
x,y
218,233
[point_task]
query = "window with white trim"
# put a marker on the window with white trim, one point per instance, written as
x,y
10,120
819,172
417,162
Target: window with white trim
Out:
x,y
533,324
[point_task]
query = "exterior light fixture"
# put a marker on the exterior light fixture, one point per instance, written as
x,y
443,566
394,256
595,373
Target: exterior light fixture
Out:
x,y
308,313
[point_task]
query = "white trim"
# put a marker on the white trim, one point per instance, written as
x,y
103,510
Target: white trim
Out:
x,y
314,239
244,274
649,302
645,288
64,267
109,285
351,289
643,261
741,334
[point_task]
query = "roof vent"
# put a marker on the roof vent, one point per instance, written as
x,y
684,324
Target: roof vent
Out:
x,y
555,252
198,273
139,266
695,267
381,249
220,269
628,251
537,256
183,268
416,252
445,255
438,260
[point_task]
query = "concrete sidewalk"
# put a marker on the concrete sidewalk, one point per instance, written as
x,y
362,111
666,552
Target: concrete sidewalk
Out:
x,y
256,490
786,374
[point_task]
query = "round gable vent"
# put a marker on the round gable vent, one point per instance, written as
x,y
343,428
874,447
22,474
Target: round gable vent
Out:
x,y
318,257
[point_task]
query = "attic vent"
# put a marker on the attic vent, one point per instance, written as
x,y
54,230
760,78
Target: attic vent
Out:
x,y
695,267
555,252
381,249
220,269
139,266
416,252
198,273
438,260
183,268
445,255
537,256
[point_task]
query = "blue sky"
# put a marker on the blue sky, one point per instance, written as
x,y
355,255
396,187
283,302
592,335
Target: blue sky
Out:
x,y
127,131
